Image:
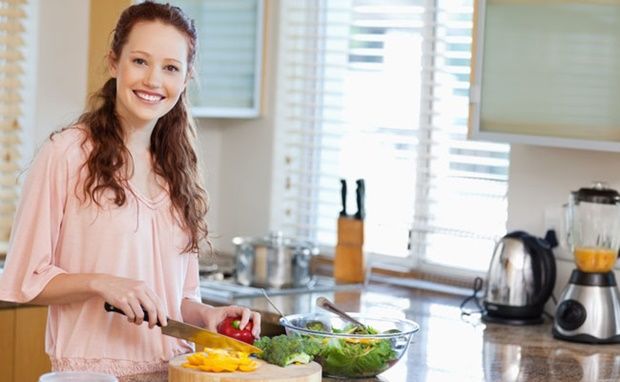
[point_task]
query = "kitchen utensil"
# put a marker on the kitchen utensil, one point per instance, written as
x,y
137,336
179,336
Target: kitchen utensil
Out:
x,y
362,362
196,334
589,306
272,303
343,197
329,306
273,261
594,227
520,279
360,196
310,372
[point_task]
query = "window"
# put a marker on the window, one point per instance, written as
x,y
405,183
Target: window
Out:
x,y
379,90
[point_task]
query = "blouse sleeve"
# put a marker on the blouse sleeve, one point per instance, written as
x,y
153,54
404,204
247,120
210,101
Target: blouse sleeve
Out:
x,y
191,289
30,259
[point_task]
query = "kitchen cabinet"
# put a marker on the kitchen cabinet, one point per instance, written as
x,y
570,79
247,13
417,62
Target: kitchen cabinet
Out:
x,y
228,76
545,72
7,344
22,344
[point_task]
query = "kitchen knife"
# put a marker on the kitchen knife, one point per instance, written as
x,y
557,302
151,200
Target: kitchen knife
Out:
x,y
196,334
343,196
360,193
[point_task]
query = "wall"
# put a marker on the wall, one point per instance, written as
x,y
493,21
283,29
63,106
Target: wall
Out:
x,y
239,159
541,179
61,66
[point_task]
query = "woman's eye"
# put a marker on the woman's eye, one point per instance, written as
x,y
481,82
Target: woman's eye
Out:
x,y
139,61
172,68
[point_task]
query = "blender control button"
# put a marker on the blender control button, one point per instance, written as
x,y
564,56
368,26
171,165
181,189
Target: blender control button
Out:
x,y
570,314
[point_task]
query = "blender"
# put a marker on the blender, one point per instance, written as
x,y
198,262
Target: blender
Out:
x,y
589,307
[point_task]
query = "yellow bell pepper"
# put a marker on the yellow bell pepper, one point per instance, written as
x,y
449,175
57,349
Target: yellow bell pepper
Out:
x,y
220,360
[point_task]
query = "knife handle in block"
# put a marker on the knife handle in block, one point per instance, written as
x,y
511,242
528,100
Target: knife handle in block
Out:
x,y
349,259
112,308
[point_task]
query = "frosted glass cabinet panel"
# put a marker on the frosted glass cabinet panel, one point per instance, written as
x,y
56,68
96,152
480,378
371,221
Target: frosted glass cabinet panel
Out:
x,y
547,72
229,64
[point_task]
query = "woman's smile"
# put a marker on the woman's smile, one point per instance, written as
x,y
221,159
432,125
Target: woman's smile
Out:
x,y
148,97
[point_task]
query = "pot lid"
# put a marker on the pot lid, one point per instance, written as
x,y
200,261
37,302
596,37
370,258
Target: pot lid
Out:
x,y
274,240
599,193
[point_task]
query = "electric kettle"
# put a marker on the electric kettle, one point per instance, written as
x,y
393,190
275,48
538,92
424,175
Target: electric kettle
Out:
x,y
520,279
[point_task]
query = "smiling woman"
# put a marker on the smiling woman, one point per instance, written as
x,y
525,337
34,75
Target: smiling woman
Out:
x,y
113,210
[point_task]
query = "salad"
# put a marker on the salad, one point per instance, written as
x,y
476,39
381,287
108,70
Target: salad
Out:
x,y
352,357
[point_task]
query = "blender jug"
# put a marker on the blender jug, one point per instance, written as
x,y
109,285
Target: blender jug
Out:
x,y
594,228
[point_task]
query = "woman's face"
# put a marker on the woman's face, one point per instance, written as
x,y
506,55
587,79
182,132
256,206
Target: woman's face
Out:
x,y
151,73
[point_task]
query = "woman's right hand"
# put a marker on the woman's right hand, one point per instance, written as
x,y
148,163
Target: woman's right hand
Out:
x,y
131,296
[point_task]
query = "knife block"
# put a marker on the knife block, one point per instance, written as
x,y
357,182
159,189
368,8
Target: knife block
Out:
x,y
349,259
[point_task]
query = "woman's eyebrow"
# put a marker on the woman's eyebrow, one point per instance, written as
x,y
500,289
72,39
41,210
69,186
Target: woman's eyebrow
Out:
x,y
149,55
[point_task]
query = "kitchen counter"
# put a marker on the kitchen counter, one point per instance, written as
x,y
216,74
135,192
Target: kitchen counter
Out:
x,y
449,347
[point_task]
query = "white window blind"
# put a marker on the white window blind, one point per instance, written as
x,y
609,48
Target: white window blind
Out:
x,y
12,17
379,90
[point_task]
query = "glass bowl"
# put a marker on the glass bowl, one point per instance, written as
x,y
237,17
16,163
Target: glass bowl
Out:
x,y
350,355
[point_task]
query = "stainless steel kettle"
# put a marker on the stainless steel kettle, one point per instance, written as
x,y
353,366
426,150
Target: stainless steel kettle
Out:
x,y
520,279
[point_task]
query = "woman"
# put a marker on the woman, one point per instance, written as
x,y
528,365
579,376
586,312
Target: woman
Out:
x,y
112,210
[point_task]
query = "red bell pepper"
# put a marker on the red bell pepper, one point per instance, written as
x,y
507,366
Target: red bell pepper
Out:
x,y
230,327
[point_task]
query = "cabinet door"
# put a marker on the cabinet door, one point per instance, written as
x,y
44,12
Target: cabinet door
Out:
x,y
546,72
7,344
229,62
30,358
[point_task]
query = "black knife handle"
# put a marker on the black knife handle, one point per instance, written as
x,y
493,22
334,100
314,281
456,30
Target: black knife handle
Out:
x,y
111,308
360,194
343,197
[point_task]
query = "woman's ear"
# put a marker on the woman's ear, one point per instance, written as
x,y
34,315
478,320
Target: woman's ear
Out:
x,y
112,61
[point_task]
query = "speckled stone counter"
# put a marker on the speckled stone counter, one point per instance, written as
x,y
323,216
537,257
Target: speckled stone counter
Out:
x,y
451,348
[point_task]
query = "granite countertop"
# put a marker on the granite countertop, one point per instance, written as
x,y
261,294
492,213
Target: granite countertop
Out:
x,y
450,347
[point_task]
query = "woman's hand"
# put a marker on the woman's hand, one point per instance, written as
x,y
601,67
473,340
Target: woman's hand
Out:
x,y
212,316
131,296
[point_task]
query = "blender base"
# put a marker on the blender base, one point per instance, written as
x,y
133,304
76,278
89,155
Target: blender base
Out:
x,y
589,309
585,338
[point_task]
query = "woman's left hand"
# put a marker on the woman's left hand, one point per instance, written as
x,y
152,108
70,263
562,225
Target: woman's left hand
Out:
x,y
212,316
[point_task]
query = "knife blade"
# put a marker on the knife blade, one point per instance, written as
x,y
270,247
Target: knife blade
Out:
x,y
196,334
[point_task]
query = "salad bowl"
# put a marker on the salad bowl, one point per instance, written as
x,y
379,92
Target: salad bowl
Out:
x,y
351,351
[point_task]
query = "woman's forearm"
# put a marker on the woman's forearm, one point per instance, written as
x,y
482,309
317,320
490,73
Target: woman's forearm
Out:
x,y
191,312
68,288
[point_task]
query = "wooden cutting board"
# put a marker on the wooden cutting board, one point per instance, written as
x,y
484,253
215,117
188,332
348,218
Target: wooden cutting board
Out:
x,y
265,372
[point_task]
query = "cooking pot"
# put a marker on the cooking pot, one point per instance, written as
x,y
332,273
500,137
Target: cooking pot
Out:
x,y
273,261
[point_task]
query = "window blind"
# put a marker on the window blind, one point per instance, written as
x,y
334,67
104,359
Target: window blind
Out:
x,y
12,17
379,90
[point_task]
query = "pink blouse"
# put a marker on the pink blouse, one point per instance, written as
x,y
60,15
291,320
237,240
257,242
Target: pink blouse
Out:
x,y
55,232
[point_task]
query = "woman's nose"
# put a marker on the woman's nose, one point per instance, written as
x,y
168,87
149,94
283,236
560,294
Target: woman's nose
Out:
x,y
152,78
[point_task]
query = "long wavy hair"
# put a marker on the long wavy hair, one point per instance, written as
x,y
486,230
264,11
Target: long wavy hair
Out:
x,y
172,148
